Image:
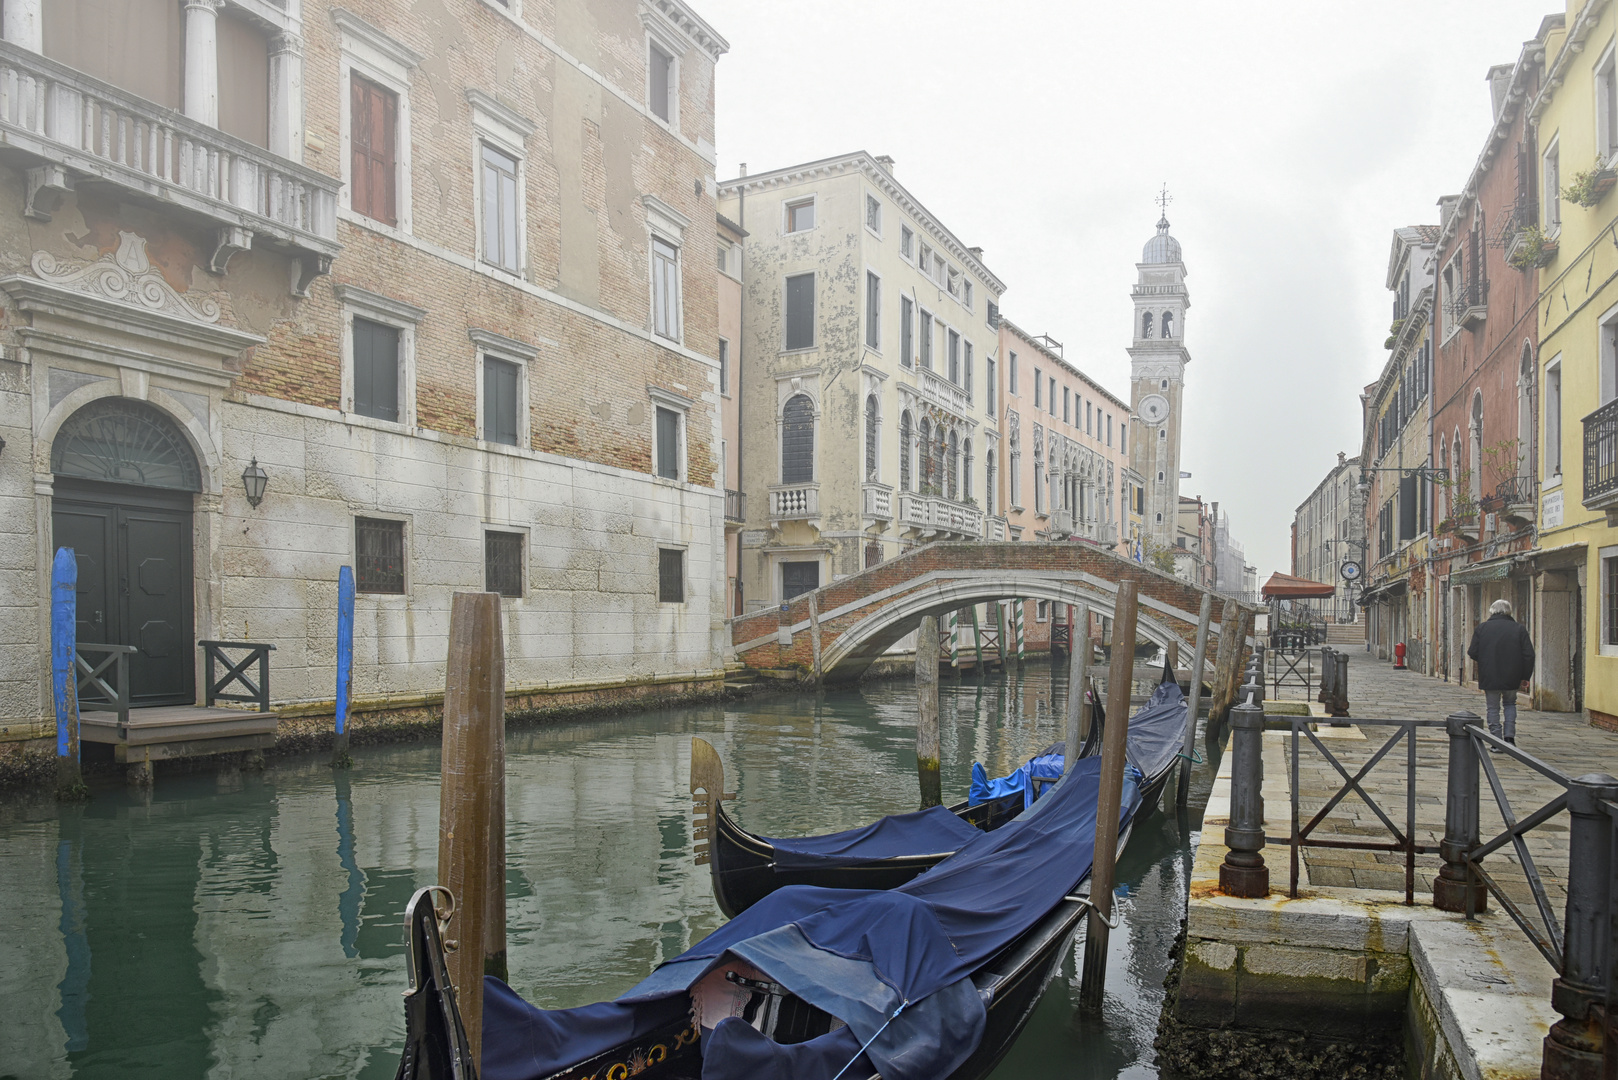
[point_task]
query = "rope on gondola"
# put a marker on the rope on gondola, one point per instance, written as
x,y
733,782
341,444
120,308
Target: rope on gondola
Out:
x,y
872,1039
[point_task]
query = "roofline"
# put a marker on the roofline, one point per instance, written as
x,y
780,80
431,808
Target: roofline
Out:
x,y
1553,74
1331,474
732,226
1026,336
863,162
1405,238
692,26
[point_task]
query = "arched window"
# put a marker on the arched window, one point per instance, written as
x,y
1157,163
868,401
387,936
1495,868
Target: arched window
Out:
x,y
952,465
1168,324
870,437
123,441
966,471
905,450
1438,489
798,440
1146,324
924,446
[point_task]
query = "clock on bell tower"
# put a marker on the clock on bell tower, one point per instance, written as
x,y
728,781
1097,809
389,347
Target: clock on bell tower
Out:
x,y
1157,360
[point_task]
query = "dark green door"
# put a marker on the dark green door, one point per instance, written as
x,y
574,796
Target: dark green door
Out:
x,y
134,583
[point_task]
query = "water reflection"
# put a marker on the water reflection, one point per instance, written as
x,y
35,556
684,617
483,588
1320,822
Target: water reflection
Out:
x,y
219,928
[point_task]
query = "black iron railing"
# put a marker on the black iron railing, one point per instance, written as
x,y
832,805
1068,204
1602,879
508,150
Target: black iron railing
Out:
x,y
1291,666
1464,298
1601,452
1515,491
103,686
254,690
735,506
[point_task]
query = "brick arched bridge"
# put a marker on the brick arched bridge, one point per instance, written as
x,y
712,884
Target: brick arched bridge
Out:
x,y
860,617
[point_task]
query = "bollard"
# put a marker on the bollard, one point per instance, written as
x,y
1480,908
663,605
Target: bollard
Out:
x,y
1573,1049
1078,709
1198,657
340,758
1342,684
1243,872
927,712
472,802
1453,888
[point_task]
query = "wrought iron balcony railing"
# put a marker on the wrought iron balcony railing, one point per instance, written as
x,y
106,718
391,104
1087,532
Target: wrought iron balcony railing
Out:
x,y
735,506
1601,457
1469,303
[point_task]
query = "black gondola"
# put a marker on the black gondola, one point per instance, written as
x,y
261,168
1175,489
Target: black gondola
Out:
x,y
969,986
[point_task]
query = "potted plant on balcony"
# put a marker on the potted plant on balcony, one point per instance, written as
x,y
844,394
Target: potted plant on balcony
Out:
x,y
1531,248
1587,187
1393,334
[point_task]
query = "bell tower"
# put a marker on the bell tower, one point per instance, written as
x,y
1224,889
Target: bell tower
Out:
x,y
1157,362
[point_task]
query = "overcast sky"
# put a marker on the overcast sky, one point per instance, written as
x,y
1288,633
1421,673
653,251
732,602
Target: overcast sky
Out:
x,y
1293,137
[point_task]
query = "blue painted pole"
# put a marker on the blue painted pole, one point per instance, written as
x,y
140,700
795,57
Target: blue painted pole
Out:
x,y
64,683
345,662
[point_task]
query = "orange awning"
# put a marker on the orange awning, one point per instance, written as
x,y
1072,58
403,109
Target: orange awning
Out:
x,y
1288,587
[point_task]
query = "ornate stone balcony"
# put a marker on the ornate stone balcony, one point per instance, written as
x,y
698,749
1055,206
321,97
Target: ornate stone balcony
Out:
x,y
997,528
67,128
789,502
933,516
940,390
1061,523
878,501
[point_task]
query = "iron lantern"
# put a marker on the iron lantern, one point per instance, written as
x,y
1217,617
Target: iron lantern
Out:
x,y
254,481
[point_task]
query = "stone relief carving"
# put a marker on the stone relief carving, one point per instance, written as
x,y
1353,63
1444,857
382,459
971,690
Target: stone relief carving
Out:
x,y
126,277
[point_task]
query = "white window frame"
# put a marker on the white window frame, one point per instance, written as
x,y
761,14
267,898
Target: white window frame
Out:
x,y
507,132
666,41
789,205
1606,87
1550,427
487,345
681,406
664,222
389,312
871,201
952,281
1042,609
1607,356
1550,164
1602,555
368,52
872,320
907,243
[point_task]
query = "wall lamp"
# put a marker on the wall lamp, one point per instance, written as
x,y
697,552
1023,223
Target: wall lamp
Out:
x,y
254,481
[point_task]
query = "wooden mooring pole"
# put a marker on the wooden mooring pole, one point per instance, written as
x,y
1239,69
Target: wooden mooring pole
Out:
x,y
1078,709
64,674
345,665
1114,745
927,712
472,803
1193,700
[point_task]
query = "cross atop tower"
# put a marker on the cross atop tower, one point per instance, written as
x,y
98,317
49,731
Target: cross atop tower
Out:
x,y
1162,200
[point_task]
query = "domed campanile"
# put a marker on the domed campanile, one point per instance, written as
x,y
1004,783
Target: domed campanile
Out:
x,y
1157,375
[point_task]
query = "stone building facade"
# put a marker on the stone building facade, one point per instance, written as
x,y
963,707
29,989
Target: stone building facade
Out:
x,y
1328,530
729,263
867,392
443,279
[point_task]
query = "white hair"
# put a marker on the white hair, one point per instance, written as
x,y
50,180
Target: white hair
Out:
x,y
1500,607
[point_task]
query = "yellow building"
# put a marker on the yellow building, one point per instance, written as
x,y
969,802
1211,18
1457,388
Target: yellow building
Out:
x,y
1572,236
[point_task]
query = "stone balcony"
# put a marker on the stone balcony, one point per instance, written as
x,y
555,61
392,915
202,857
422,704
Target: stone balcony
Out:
x,y
65,128
937,388
997,529
1061,524
794,502
933,516
878,501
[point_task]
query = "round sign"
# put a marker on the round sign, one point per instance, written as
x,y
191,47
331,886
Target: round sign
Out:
x,y
1350,571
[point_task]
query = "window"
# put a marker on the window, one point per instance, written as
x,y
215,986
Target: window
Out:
x,y
873,310
993,315
724,366
938,268
989,497
798,578
1146,324
800,311
1011,373
907,331
1109,429
924,260
905,450
954,358
1168,324
665,288
873,214
1606,107
378,556
1553,420
1088,430
927,340
989,377
966,294
373,145
724,256
872,440
1016,480
1039,382
966,369
660,87
670,575
502,563
966,470
376,369
666,443
907,242
800,215
952,466
1551,188
1042,610
501,401
1053,394
798,440
501,244
1066,405
1609,601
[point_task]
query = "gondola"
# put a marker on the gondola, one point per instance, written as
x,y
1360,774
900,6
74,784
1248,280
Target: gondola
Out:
x,y
935,978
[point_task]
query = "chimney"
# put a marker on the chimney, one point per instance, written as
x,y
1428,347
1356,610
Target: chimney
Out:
x,y
1499,82
1342,459
885,163
744,168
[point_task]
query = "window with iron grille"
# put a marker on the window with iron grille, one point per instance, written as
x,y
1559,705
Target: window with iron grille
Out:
x,y
798,440
670,576
378,556
502,563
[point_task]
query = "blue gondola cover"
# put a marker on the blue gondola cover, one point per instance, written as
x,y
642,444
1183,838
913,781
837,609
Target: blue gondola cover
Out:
x,y
932,831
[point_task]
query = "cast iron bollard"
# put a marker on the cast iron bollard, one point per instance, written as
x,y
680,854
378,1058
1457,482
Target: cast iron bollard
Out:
x,y
1243,872
1342,682
1454,881
1328,677
1573,1049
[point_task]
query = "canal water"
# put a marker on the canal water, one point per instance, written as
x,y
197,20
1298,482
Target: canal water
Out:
x,y
249,925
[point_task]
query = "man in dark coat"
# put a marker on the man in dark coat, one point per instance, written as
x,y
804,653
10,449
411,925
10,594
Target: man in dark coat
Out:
x,y
1505,660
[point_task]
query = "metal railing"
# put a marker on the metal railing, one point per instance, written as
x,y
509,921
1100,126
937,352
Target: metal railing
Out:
x,y
1291,668
735,506
1601,452
1468,302
254,689
1515,491
103,685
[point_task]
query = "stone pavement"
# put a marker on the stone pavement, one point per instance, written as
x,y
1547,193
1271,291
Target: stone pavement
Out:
x,y
1565,741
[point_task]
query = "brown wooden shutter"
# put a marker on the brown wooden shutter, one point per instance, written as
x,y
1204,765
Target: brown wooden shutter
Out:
x,y
373,127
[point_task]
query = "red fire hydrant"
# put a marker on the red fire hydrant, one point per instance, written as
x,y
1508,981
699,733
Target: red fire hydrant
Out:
x,y
1399,657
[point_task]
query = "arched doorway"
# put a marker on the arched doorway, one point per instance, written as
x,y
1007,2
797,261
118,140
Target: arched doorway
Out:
x,y
125,478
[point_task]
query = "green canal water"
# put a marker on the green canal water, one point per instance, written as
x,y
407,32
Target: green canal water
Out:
x,y
249,925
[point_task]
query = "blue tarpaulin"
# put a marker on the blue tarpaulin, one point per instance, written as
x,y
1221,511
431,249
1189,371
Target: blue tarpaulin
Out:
x,y
1047,766
933,831
895,966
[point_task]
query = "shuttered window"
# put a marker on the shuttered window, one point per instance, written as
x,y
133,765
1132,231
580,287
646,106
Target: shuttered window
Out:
x,y
376,370
502,563
1408,502
500,401
907,331
668,443
373,138
800,300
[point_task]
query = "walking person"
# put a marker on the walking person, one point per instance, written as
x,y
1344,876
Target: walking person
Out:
x,y
1505,658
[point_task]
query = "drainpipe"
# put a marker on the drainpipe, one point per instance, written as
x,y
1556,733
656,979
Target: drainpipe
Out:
x,y
741,441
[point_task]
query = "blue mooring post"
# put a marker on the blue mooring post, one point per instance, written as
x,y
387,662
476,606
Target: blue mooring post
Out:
x,y
345,663
64,684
